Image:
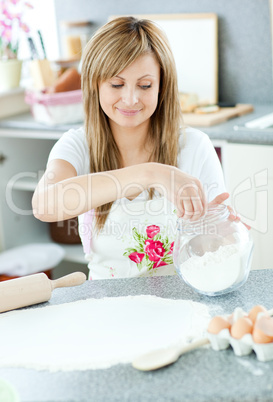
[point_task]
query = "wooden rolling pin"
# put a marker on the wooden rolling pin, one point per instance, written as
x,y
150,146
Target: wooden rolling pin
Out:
x,y
33,289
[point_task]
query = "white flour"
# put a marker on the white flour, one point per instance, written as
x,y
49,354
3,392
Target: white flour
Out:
x,y
97,333
216,271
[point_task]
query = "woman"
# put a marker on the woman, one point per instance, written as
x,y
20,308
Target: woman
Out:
x,y
132,168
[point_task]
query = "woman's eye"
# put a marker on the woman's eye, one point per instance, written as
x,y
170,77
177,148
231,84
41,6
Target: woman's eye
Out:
x,y
121,85
145,86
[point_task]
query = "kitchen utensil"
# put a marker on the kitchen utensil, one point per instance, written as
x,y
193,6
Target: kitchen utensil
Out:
x,y
42,43
160,358
211,119
33,289
33,50
42,75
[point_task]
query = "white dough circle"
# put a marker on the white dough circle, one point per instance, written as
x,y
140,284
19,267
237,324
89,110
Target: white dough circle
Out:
x,y
97,333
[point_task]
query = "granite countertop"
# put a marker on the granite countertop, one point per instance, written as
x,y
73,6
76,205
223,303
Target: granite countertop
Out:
x,y
201,375
224,131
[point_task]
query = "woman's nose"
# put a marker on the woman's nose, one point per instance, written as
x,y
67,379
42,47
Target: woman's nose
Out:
x,y
129,96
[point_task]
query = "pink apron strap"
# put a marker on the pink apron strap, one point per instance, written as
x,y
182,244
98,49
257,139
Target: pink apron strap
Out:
x,y
87,230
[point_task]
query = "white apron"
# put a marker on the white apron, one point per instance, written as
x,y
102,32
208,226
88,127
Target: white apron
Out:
x,y
137,239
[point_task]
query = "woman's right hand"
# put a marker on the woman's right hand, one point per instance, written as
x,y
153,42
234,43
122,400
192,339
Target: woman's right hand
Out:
x,y
183,190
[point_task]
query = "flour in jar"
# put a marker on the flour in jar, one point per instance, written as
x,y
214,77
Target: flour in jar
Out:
x,y
217,271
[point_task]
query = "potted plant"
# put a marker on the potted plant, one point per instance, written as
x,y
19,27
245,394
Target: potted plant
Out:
x,y
12,24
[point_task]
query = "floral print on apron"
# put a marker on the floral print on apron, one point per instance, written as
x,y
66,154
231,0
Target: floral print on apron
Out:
x,y
137,240
152,250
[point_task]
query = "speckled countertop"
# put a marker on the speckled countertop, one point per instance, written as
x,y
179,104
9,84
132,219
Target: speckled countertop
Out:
x,y
201,375
224,131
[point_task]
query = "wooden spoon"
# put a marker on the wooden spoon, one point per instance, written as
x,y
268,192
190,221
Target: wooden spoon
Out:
x,y
163,357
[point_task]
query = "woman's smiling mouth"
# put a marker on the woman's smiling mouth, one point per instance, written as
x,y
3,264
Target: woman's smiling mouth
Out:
x,y
128,112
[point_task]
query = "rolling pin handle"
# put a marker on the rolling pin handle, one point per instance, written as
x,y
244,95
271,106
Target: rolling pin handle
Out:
x,y
74,279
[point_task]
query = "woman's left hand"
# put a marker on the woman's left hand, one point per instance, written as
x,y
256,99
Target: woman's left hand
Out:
x,y
233,215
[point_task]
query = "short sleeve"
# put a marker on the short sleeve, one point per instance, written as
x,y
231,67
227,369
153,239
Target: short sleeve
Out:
x,y
199,159
72,147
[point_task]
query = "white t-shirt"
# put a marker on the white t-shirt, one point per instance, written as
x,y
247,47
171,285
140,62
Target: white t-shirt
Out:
x,y
138,236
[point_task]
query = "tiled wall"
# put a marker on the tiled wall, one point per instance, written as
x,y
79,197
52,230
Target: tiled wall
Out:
x,y
245,55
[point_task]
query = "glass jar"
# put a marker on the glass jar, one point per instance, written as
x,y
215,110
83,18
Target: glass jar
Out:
x,y
75,36
213,255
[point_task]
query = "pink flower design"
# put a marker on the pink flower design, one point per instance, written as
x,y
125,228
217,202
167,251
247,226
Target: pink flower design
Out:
x,y
152,231
171,248
151,250
136,257
159,263
154,249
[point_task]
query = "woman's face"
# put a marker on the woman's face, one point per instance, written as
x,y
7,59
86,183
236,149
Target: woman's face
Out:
x,y
130,98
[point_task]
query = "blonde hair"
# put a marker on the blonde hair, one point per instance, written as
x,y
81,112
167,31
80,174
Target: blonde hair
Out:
x,y
115,46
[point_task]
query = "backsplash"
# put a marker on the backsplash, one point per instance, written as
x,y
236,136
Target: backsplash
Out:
x,y
245,52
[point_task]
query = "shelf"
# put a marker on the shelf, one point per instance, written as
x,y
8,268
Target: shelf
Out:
x,y
24,126
20,132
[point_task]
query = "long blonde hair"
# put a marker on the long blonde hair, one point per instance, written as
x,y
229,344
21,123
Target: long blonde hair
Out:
x,y
114,47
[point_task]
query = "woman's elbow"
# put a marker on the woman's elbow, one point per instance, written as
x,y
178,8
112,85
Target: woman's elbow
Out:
x,y
39,210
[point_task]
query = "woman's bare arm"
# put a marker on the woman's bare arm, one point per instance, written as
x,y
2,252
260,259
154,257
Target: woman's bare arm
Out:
x,y
61,194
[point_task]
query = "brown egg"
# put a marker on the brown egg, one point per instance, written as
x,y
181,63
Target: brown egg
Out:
x,y
218,323
241,327
263,330
255,311
236,315
259,337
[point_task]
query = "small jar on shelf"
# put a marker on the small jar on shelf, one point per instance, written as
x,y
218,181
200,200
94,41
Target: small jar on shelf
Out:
x,y
75,35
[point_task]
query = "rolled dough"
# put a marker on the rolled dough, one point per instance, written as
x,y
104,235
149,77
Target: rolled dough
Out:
x,y
97,333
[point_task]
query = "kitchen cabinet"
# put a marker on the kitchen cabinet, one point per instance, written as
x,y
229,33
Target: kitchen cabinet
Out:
x,y
248,173
23,157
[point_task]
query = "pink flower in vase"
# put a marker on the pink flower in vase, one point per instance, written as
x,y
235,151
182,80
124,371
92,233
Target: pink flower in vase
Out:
x,y
7,33
24,27
152,231
136,257
12,16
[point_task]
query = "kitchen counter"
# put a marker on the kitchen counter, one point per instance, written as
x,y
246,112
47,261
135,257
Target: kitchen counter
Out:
x,y
224,131
26,122
201,375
